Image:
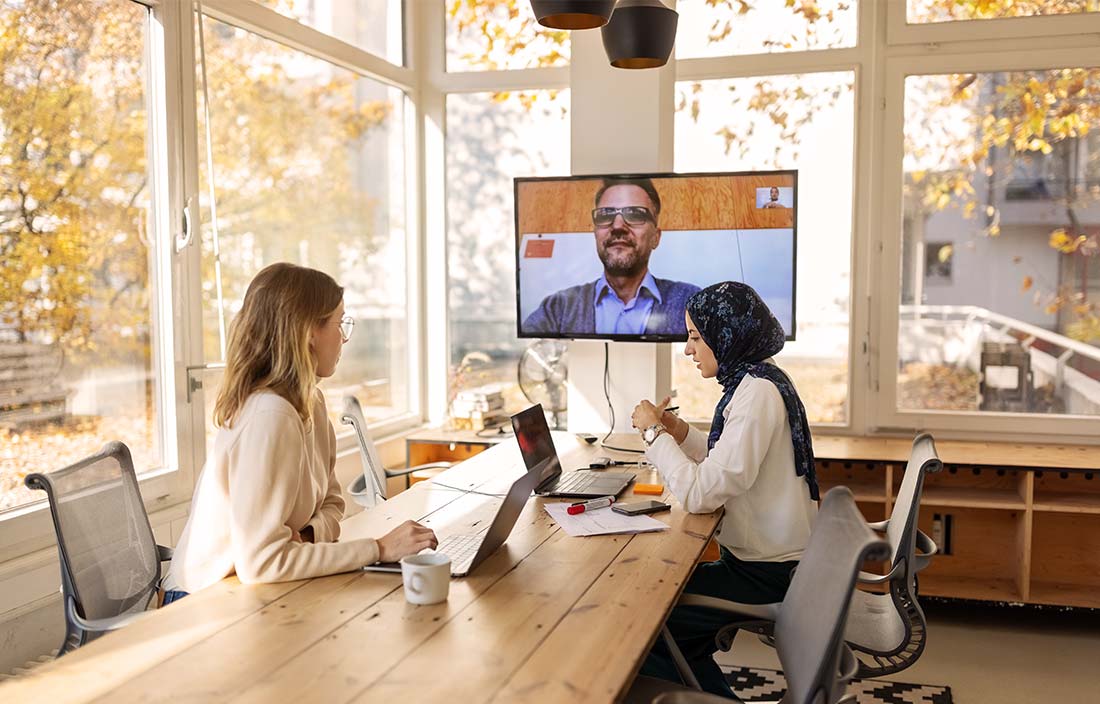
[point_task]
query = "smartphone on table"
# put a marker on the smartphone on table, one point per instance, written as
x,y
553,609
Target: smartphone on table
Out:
x,y
640,507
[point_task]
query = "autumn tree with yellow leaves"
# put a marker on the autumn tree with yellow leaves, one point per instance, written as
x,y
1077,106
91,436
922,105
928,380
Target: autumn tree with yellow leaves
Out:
x,y
73,188
1030,114
74,192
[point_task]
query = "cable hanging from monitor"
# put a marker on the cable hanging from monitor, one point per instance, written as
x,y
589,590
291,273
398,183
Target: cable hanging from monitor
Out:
x,y
607,390
740,260
610,406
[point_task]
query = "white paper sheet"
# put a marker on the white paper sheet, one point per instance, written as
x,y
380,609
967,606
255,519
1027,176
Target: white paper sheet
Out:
x,y
602,521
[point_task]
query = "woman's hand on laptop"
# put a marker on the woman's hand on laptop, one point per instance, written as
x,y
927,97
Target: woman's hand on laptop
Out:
x,y
408,538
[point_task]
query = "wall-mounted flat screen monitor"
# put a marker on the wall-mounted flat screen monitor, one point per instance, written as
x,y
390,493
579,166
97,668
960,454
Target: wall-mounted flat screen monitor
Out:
x,y
617,257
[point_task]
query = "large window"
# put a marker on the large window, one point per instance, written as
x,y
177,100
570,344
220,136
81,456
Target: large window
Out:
x,y
77,327
491,139
494,35
737,27
374,25
918,11
956,240
309,167
999,288
803,122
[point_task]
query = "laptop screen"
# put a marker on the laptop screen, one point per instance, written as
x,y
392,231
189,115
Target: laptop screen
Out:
x,y
535,443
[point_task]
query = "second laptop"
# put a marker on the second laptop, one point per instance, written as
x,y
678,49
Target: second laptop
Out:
x,y
537,447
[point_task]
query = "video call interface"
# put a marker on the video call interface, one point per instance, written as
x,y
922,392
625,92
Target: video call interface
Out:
x,y
617,257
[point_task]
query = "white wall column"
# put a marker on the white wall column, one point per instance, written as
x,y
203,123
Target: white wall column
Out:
x,y
622,123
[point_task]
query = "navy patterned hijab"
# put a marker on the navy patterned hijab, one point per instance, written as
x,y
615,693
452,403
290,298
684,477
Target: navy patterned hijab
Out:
x,y
738,327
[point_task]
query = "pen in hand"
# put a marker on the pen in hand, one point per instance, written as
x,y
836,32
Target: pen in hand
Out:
x,y
582,506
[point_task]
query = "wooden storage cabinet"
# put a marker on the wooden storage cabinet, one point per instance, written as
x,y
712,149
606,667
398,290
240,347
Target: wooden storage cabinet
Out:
x,y
973,487
983,561
1065,556
1065,550
867,480
1068,492
1024,519
1015,534
873,511
424,452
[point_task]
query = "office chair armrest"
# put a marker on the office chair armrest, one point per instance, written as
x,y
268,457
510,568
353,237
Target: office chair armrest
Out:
x,y
764,612
417,468
849,664
98,625
164,554
926,548
869,578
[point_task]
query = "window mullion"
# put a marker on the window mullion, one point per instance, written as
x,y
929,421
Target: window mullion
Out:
x,y
181,154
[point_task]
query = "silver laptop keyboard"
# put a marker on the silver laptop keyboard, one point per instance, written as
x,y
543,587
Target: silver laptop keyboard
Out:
x,y
461,549
575,481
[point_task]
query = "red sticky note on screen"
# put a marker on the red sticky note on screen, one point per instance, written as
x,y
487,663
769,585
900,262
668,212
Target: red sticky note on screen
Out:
x,y
539,249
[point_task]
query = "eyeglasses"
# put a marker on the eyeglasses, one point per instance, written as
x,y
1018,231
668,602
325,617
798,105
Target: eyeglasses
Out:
x,y
347,325
632,215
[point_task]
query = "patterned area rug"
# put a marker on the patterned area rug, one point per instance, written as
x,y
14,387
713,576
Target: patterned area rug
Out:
x,y
753,684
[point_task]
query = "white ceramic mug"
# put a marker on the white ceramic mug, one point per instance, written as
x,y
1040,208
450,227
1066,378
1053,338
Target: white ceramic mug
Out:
x,y
427,577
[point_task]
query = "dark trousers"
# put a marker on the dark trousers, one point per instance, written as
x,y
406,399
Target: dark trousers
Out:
x,y
694,628
172,595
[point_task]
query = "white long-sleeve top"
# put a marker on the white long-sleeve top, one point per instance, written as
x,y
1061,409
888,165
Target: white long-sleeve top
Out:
x,y
750,471
266,478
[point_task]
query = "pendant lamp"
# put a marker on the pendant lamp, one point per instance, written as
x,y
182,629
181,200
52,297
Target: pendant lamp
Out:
x,y
640,34
572,14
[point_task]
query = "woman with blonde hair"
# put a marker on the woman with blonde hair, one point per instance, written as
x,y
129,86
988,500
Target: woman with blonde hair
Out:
x,y
267,505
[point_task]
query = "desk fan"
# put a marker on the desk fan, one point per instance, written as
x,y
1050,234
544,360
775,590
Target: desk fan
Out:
x,y
542,373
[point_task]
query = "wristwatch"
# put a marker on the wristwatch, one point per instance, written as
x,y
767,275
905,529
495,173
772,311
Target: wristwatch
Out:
x,y
650,434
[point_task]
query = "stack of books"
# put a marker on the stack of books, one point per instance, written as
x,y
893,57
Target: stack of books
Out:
x,y
479,408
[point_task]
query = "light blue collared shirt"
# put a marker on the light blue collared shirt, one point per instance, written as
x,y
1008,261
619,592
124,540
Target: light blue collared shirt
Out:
x,y
614,317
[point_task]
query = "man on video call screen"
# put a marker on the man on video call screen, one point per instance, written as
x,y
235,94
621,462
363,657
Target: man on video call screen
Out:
x,y
656,240
627,299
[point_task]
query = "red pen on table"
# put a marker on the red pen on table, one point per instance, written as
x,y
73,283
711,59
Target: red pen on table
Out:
x,y
582,506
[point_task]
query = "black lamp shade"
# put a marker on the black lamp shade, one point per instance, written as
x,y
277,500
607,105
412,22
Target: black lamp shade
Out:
x,y
572,14
640,34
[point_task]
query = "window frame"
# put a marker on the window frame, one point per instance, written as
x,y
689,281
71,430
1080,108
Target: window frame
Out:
x,y
887,50
900,31
28,528
175,274
271,25
859,61
962,58
436,85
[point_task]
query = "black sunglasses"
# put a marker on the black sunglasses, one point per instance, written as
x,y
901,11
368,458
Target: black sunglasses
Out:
x,y
632,215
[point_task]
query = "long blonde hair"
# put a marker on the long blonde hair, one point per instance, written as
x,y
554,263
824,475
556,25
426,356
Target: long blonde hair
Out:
x,y
269,339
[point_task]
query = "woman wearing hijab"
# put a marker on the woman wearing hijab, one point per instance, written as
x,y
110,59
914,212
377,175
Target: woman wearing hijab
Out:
x,y
757,462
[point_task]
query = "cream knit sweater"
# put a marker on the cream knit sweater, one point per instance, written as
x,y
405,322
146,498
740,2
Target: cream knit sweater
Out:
x,y
267,477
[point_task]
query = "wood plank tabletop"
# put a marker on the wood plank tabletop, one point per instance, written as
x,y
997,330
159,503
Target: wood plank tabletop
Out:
x,y
869,449
546,617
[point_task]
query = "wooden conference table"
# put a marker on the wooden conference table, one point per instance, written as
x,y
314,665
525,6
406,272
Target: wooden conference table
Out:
x,y
546,618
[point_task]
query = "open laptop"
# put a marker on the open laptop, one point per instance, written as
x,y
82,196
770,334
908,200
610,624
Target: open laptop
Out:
x,y
537,447
469,550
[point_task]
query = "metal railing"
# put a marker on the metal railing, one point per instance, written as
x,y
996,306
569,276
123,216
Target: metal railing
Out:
x,y
1007,326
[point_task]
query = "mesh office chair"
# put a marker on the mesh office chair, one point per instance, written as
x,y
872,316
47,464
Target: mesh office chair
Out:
x,y
809,623
110,562
369,488
887,631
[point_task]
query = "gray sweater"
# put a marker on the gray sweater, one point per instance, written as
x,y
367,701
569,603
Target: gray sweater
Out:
x,y
573,311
